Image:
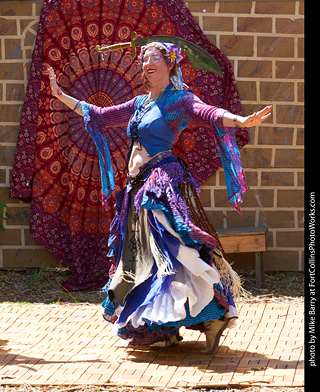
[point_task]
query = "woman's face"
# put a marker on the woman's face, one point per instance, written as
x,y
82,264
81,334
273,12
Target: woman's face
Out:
x,y
155,67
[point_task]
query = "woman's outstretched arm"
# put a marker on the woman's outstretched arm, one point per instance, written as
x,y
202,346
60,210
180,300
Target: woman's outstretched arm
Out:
x,y
71,102
231,120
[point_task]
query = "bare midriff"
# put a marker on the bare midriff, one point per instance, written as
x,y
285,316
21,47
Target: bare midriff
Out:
x,y
139,157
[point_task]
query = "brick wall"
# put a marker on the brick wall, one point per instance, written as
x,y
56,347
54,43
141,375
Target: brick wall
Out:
x,y
18,29
264,40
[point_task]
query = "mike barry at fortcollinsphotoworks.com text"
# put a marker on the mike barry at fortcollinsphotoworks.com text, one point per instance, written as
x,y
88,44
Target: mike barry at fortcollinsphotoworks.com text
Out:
x,y
311,287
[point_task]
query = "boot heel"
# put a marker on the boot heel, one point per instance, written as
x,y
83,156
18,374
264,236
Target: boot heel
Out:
x,y
174,341
213,333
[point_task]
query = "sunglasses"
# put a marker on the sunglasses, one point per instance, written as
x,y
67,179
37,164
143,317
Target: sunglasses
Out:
x,y
153,59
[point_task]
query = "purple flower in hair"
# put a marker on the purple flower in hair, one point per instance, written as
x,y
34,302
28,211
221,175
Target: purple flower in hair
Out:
x,y
173,51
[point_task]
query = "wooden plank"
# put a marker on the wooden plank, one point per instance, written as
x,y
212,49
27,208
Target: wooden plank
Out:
x,y
246,239
242,231
243,244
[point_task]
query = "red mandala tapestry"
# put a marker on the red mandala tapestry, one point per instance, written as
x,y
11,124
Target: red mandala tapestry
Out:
x,y
56,165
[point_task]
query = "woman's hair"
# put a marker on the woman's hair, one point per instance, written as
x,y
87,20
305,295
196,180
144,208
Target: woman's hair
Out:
x,y
163,50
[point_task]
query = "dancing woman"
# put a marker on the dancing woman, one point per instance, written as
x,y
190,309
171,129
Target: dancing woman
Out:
x,y
170,271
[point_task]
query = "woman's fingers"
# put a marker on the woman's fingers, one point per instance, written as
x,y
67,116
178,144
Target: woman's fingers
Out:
x,y
266,116
52,75
264,111
258,117
53,82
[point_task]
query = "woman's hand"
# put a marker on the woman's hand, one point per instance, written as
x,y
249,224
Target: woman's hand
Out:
x,y
71,102
254,119
55,89
232,120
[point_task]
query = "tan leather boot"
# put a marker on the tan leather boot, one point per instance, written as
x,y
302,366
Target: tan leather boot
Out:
x,y
172,342
213,333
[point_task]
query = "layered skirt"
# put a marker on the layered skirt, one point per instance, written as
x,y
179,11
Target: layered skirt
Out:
x,y
170,272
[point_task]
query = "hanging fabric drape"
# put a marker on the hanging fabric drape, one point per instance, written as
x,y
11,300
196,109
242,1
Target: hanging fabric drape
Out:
x,y
56,166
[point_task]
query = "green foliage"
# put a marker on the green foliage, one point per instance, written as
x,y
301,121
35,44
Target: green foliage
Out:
x,y
37,276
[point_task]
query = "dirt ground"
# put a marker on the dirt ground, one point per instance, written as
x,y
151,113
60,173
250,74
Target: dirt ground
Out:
x,y
92,388
44,286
